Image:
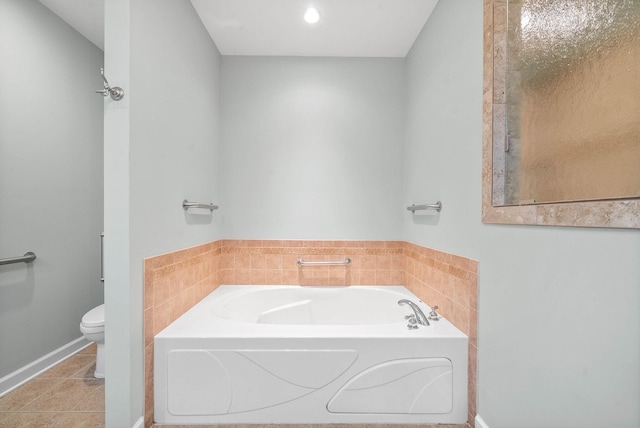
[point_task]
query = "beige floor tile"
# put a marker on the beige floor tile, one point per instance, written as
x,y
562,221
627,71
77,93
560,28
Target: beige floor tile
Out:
x,y
81,420
93,403
65,396
91,349
25,394
70,366
31,420
85,373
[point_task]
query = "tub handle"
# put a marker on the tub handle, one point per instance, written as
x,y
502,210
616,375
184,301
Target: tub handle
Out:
x,y
433,315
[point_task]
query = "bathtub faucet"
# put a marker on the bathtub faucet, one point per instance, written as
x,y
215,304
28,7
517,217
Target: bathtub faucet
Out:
x,y
419,315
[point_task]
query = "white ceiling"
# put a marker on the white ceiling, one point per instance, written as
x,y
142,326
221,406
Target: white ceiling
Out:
x,y
86,16
354,28
366,28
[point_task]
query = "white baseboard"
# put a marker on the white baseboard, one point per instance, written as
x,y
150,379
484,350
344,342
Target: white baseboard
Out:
x,y
33,369
139,423
479,423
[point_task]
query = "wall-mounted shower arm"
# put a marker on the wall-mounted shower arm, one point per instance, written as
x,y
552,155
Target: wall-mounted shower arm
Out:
x,y
116,93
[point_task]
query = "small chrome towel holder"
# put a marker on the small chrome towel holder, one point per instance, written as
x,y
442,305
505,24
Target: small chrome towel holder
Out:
x,y
116,93
186,205
437,206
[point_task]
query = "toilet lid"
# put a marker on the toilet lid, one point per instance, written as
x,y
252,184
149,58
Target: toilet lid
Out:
x,y
95,317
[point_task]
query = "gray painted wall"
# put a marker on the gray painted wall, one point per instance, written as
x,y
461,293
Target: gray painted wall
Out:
x,y
161,146
559,308
547,356
51,124
312,147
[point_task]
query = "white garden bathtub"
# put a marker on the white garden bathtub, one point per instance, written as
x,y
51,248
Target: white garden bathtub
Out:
x,y
294,355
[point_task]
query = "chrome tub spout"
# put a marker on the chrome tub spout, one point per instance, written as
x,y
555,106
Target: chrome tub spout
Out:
x,y
420,317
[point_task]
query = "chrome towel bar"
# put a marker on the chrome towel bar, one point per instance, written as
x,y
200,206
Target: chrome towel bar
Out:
x,y
186,205
345,262
27,258
437,206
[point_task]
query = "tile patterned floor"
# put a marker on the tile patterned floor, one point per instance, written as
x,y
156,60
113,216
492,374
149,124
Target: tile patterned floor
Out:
x,y
65,396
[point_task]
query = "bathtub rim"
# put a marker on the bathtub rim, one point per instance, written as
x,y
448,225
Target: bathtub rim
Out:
x,y
201,322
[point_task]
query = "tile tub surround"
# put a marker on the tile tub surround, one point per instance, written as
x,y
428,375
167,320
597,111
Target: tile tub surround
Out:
x,y
275,262
174,282
451,283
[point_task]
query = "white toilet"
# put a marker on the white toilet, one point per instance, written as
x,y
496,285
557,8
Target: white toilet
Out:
x,y
92,326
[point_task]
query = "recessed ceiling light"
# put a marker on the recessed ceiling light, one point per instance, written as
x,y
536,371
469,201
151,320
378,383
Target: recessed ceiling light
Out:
x,y
312,15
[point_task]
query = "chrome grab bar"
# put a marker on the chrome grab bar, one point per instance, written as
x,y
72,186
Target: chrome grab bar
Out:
x,y
186,205
345,262
102,257
437,206
27,258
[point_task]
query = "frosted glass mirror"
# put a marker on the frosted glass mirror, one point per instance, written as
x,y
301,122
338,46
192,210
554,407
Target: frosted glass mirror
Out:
x,y
562,112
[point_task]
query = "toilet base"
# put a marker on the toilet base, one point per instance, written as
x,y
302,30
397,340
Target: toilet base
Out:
x,y
99,372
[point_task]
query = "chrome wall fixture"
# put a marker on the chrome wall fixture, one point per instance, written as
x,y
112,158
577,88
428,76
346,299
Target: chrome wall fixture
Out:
x,y
345,262
186,205
102,257
417,317
116,93
437,206
27,258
